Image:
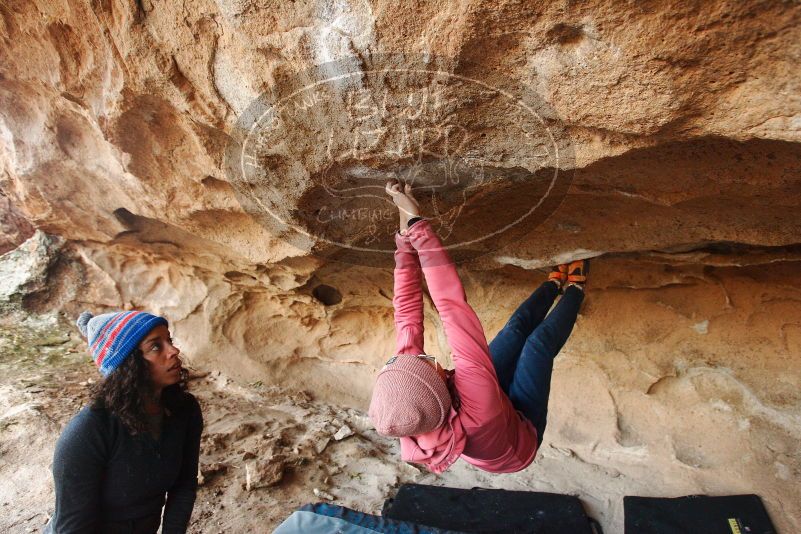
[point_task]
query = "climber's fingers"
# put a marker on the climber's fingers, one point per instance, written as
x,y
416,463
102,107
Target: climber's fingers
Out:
x,y
407,188
393,188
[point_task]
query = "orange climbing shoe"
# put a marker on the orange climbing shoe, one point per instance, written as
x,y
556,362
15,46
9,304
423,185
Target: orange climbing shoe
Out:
x,y
559,275
577,272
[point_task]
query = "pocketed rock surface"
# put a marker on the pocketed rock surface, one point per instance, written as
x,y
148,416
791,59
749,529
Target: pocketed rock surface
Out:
x,y
679,125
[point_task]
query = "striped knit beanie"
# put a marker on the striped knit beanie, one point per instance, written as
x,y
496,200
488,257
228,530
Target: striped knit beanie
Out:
x,y
409,398
112,337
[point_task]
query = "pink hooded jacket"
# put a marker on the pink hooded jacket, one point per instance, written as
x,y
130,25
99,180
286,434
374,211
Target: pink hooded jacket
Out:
x,y
486,430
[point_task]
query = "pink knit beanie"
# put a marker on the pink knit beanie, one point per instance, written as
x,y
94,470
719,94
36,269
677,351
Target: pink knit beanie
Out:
x,y
409,398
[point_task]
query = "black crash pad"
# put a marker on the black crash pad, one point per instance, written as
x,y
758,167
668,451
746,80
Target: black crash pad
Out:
x,y
697,514
485,510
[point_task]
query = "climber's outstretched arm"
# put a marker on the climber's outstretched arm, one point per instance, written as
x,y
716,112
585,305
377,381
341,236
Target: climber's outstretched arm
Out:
x,y
476,381
408,298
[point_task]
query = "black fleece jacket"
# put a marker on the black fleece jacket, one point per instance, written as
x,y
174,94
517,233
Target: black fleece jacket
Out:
x,y
103,474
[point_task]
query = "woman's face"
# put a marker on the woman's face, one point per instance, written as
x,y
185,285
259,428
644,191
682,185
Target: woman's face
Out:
x,y
162,355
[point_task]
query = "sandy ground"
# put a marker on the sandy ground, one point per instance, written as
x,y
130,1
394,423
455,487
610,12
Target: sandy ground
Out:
x,y
266,451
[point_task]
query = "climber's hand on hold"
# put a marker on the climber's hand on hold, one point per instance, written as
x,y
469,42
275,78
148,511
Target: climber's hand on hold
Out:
x,y
401,195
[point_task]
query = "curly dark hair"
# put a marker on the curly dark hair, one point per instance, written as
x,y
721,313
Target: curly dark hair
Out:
x,y
124,390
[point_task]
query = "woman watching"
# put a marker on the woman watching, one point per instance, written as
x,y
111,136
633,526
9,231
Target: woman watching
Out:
x,y
134,450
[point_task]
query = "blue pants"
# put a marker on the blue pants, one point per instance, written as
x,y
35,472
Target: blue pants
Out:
x,y
524,349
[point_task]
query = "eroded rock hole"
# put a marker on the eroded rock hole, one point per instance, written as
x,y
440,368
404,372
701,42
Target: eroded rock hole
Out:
x,y
327,295
566,34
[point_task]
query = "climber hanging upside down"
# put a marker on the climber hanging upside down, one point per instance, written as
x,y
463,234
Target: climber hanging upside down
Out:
x,y
491,410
